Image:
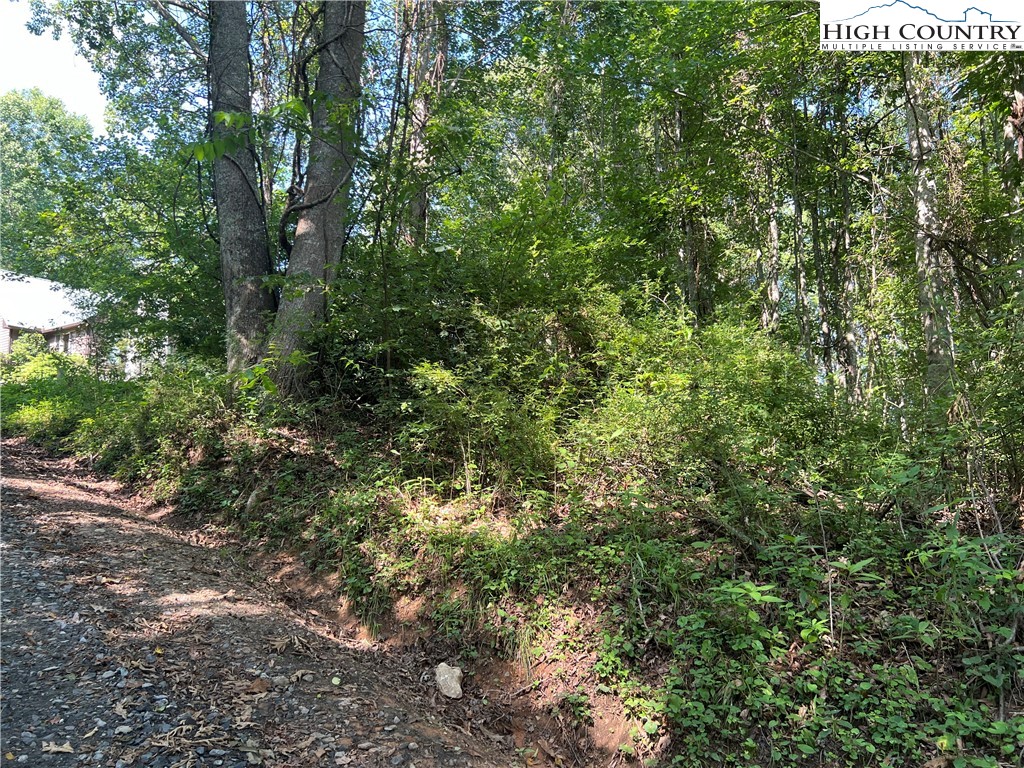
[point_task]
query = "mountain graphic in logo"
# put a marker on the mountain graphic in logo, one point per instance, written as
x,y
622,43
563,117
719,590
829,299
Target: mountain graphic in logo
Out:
x,y
972,14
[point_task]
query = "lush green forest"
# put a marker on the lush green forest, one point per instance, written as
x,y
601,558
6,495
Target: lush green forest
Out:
x,y
646,336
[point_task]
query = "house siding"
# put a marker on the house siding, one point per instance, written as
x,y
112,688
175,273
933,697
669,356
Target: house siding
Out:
x,y
75,340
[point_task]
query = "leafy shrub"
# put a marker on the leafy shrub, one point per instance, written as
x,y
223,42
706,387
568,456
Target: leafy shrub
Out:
x,y
897,656
479,431
48,394
176,419
690,400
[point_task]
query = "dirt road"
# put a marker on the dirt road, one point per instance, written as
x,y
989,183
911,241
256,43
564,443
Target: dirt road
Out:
x,y
125,644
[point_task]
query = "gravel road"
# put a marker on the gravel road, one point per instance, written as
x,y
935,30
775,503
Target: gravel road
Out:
x,y
123,644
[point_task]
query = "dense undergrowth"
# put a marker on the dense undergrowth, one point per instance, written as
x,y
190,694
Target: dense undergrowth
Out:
x,y
766,575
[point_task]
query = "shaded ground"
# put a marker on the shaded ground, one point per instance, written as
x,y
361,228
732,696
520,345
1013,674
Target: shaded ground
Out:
x,y
125,644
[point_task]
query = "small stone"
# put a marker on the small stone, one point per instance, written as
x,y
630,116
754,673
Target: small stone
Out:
x,y
28,737
366,746
280,681
122,729
412,746
397,760
217,753
449,680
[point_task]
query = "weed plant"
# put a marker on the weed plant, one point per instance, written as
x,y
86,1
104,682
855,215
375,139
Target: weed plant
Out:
x,y
766,578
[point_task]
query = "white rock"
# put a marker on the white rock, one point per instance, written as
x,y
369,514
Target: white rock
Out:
x,y
449,680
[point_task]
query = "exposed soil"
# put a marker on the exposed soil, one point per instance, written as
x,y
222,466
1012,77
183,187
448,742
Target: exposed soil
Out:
x,y
129,643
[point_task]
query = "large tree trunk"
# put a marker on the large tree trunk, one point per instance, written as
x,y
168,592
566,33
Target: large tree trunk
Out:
x,y
320,230
244,251
935,318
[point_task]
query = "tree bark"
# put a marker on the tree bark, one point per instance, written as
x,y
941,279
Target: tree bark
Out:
x,y
825,294
321,226
845,280
771,296
427,65
1014,129
799,271
241,222
935,319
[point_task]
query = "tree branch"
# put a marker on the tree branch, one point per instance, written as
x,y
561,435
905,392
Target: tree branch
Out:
x,y
183,33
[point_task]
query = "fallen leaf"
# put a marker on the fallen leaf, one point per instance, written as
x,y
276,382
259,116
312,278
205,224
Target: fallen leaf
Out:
x,y
90,733
259,685
551,753
9,756
308,742
52,747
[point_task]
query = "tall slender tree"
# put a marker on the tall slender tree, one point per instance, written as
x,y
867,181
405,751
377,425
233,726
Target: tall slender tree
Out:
x,y
922,102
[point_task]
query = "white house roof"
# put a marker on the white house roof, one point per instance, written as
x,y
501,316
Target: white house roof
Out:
x,y
31,302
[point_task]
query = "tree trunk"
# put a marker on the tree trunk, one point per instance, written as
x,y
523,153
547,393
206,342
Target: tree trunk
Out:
x,y
241,222
799,271
321,226
1014,129
935,319
427,64
845,280
771,291
825,297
